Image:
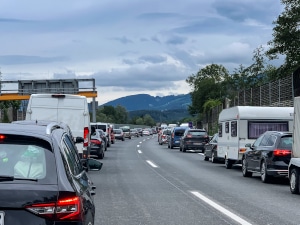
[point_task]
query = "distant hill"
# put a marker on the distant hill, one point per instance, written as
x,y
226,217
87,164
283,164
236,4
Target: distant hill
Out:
x,y
148,102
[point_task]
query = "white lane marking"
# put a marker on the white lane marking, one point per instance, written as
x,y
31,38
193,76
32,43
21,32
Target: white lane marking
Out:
x,y
138,146
221,209
139,151
151,164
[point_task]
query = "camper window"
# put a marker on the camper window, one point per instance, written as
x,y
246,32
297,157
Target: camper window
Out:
x,y
233,129
227,127
256,128
220,130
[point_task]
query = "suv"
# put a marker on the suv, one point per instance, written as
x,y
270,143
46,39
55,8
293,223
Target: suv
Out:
x,y
194,139
126,131
43,179
119,134
174,138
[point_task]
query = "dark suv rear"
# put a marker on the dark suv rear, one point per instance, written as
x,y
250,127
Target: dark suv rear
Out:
x,y
43,180
194,139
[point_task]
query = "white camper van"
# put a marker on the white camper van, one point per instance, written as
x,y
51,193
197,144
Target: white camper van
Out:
x,y
70,109
241,125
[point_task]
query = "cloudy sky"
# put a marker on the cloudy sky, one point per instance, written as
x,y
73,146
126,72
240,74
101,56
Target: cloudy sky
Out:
x,y
130,46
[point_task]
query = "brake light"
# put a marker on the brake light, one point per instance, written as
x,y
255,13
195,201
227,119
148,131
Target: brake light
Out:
x,y
281,152
242,150
97,142
189,136
2,137
86,137
68,209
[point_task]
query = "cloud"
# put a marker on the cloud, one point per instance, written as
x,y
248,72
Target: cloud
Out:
x,y
25,59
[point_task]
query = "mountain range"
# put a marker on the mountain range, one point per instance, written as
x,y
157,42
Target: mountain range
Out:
x,y
169,109
148,102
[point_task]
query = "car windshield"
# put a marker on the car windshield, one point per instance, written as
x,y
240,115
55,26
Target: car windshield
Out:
x,y
286,142
179,132
197,133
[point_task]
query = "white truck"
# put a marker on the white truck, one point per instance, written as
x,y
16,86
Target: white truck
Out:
x,y
241,125
70,109
294,165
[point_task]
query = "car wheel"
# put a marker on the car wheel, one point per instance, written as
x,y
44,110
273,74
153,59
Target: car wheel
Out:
x,y
206,158
228,163
265,178
294,181
101,155
213,158
183,148
245,172
180,148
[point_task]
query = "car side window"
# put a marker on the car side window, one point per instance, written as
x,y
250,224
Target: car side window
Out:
x,y
264,141
258,140
70,154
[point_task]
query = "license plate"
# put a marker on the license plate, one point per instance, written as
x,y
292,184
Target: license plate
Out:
x,y
2,218
197,143
176,141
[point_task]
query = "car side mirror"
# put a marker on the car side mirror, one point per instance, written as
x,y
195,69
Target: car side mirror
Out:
x,y
94,164
79,140
248,145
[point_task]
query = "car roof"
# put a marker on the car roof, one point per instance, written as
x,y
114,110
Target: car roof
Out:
x,y
26,130
281,133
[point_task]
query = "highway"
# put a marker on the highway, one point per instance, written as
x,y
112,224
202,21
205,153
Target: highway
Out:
x,y
144,183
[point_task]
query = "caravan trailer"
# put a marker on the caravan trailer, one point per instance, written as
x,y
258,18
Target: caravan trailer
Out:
x,y
241,125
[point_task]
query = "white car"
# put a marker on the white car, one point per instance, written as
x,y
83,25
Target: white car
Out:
x,y
146,132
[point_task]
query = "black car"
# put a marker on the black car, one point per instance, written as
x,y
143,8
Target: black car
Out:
x,y
104,138
269,155
211,150
43,181
97,145
194,139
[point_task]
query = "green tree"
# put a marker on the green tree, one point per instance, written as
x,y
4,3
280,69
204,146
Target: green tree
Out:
x,y
139,121
148,120
286,37
5,105
121,114
207,84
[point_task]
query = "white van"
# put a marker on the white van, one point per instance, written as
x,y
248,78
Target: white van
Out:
x,y
70,109
241,125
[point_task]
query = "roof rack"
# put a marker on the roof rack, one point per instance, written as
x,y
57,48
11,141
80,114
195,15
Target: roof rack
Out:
x,y
52,126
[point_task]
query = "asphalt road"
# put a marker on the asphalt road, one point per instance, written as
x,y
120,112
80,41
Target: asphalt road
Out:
x,y
143,183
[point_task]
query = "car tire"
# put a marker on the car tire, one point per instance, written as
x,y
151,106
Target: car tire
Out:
x,y
213,158
245,172
184,149
105,148
206,158
294,181
228,163
180,148
265,178
101,155
123,139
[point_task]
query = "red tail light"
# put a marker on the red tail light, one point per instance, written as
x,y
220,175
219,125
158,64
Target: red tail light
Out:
x,y
2,137
86,137
97,142
281,152
189,135
68,209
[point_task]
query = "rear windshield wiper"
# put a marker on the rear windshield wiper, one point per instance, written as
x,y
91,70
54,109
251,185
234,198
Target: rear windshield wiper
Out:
x,y
11,178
